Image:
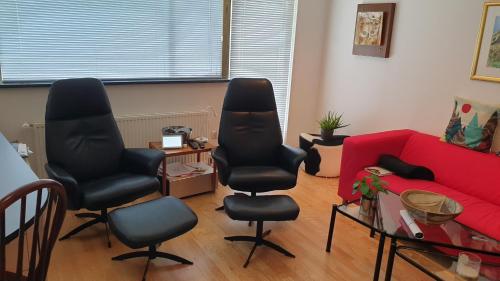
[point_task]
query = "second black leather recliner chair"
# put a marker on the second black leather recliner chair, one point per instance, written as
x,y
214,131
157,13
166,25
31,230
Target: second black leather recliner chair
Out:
x,y
85,152
251,156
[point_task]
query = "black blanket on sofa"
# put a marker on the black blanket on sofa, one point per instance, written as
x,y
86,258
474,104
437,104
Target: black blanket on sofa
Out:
x,y
403,169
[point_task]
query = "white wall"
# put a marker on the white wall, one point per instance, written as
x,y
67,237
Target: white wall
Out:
x,y
312,22
28,104
431,54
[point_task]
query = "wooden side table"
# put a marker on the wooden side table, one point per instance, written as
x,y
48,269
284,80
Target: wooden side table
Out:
x,y
179,152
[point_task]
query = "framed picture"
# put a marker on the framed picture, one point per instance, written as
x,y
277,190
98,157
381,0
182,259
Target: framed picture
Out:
x,y
372,36
486,62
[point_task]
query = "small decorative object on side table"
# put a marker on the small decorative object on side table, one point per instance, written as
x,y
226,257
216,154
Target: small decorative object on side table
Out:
x,y
329,123
180,152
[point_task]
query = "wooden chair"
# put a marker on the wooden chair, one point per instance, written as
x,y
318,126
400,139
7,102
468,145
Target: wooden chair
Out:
x,y
49,211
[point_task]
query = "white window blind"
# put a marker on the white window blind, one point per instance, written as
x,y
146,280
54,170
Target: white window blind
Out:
x,y
44,40
262,34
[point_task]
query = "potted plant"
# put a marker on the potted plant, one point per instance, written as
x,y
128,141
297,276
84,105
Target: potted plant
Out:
x,y
368,186
329,123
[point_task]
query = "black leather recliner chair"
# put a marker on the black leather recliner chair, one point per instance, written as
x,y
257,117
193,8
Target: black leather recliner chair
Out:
x,y
85,152
251,156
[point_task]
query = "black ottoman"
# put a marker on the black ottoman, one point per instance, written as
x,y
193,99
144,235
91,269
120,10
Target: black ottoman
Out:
x,y
260,209
149,224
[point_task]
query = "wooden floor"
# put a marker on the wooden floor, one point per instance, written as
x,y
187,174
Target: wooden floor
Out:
x,y
87,258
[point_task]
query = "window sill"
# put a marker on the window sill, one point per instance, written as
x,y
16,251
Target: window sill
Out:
x,y
117,82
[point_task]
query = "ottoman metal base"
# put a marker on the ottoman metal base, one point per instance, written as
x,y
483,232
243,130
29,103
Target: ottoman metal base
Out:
x,y
259,240
152,253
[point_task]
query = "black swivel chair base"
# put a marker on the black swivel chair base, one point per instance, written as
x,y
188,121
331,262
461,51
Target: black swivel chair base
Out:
x,y
151,254
259,240
96,218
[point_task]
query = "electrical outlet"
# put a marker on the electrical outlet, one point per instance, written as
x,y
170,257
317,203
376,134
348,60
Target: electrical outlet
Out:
x,y
213,134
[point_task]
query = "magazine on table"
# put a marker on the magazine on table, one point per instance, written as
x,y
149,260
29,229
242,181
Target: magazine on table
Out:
x,y
378,171
178,169
199,167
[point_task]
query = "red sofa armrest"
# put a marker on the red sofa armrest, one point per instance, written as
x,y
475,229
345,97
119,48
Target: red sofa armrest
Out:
x,y
364,150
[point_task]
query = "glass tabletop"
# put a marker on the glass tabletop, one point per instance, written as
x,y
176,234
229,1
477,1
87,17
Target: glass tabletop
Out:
x,y
387,219
449,239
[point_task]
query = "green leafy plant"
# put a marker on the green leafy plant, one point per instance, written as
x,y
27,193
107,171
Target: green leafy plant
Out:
x,y
369,185
332,121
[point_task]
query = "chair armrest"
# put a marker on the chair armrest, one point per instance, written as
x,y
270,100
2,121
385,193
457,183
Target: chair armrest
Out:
x,y
364,150
220,158
70,184
142,160
291,157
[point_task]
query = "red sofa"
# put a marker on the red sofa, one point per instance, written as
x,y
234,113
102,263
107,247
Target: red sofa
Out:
x,y
469,177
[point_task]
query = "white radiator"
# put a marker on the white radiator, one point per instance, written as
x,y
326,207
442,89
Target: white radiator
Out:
x,y
136,130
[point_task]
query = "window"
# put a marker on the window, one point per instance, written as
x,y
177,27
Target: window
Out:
x,y
46,40
262,33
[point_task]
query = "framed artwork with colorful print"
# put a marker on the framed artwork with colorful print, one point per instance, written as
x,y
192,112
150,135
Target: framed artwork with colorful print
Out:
x,y
486,61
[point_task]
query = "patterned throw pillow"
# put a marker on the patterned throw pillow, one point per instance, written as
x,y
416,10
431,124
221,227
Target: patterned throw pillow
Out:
x,y
472,125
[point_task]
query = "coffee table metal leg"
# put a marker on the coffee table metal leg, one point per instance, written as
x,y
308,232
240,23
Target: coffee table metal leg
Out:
x,y
380,253
330,231
390,260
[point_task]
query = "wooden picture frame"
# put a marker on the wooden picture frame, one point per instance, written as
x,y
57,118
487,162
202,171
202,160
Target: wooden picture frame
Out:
x,y
383,16
486,60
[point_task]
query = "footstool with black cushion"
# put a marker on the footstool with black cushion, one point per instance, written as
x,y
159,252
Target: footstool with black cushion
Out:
x,y
149,224
261,209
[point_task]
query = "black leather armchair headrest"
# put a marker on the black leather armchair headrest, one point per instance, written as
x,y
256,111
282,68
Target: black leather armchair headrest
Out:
x,y
249,129
76,98
249,95
81,135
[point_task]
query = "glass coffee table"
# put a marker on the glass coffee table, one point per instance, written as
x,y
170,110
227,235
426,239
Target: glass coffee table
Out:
x,y
435,254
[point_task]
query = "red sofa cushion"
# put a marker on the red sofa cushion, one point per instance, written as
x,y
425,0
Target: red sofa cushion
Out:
x,y
478,214
473,173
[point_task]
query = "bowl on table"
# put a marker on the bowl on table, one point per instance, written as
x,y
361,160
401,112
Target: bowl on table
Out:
x,y
429,207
